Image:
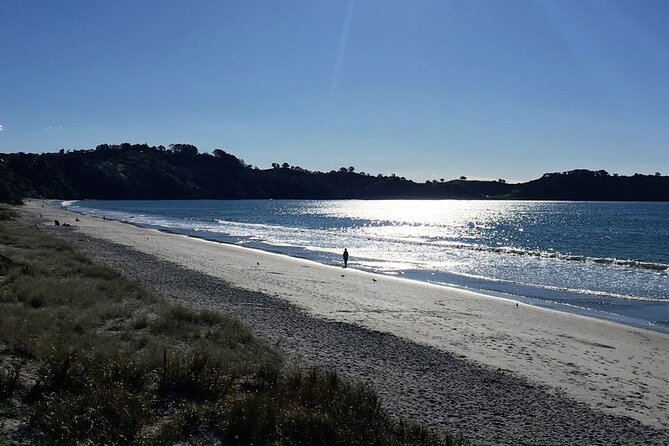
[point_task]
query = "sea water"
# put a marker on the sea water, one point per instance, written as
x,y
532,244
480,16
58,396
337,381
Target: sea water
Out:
x,y
607,260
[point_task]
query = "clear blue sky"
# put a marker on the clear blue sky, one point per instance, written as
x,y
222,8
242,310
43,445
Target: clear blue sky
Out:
x,y
424,89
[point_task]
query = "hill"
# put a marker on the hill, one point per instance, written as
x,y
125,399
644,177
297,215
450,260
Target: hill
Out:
x,y
139,171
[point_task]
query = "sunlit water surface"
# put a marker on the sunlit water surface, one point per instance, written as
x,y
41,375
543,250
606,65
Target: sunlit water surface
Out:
x,y
608,260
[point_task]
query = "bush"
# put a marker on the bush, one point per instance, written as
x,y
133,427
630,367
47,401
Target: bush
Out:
x,y
9,381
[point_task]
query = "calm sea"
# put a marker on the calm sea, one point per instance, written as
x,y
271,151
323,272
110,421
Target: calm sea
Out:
x,y
607,260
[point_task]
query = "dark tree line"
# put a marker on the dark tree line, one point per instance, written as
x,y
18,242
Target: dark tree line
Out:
x,y
180,171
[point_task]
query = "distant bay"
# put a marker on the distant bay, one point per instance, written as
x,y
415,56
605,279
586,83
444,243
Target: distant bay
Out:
x,y
603,259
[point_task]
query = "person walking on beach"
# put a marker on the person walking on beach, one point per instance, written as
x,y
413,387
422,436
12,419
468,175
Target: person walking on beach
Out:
x,y
345,256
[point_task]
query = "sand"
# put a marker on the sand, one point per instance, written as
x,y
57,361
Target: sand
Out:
x,y
451,357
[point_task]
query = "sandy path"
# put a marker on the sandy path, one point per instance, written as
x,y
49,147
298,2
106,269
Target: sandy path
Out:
x,y
610,367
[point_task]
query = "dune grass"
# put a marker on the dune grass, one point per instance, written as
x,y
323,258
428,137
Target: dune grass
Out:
x,y
90,357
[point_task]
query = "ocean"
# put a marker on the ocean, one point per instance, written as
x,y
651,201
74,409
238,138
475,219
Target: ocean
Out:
x,y
608,260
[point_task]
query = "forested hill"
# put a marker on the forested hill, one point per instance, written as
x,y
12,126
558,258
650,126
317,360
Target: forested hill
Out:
x,y
139,171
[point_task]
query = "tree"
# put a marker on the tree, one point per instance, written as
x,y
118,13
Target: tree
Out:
x,y
441,180
275,165
351,168
658,174
285,166
501,181
182,149
463,178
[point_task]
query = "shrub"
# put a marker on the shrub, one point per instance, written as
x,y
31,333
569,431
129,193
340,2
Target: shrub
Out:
x,y
9,381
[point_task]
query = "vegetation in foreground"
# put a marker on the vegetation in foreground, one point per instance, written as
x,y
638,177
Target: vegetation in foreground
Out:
x,y
88,356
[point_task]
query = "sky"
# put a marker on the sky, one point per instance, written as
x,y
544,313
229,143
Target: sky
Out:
x,y
423,89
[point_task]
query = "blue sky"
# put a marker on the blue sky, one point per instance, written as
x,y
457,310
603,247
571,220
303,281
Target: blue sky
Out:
x,y
423,89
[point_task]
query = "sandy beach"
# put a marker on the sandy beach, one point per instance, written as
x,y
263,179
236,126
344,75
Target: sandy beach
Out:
x,y
434,352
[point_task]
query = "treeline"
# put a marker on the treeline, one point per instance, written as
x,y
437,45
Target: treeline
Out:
x,y
180,171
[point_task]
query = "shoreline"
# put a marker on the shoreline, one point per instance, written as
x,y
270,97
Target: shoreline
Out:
x,y
512,299
614,368
643,313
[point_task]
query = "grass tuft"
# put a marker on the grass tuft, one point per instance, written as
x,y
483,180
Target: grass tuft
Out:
x,y
209,317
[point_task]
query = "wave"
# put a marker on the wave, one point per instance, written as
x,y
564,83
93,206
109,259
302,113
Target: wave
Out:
x,y
605,294
559,289
659,267
510,250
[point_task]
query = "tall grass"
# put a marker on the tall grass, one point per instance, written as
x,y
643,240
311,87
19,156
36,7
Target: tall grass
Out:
x,y
113,363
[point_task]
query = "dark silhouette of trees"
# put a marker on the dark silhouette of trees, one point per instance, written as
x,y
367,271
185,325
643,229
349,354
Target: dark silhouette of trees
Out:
x,y
140,171
183,149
